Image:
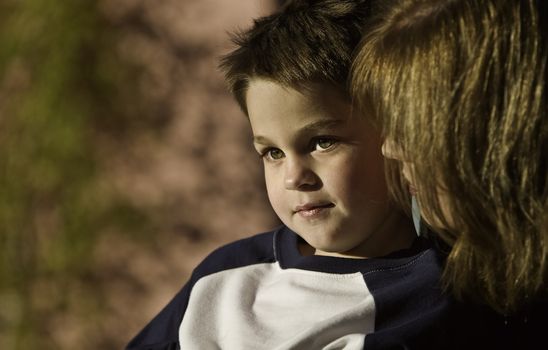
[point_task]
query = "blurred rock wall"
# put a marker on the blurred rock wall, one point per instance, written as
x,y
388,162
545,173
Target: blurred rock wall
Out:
x,y
197,174
171,167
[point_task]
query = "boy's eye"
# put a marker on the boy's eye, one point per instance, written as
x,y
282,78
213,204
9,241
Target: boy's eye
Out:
x,y
322,144
273,153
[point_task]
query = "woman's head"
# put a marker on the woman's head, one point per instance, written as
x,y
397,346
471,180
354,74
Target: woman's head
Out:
x,y
459,87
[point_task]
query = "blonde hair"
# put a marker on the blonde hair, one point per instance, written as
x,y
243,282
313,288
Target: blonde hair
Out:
x,y
460,85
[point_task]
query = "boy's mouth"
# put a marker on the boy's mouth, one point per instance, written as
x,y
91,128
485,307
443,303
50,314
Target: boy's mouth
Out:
x,y
312,209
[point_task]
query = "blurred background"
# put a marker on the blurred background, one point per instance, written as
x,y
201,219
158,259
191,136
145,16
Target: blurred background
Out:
x,y
123,162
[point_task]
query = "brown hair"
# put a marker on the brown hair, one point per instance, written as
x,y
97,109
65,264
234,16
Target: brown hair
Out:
x,y
460,85
306,41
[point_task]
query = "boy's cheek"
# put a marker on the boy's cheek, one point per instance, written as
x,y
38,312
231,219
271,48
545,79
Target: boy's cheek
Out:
x,y
274,186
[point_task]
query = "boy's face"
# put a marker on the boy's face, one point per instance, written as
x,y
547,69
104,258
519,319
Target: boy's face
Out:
x,y
324,170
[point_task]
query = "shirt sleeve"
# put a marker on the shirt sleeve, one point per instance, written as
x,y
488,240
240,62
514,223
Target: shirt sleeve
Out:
x,y
162,333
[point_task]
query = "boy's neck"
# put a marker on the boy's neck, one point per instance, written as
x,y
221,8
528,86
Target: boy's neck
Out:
x,y
396,233
305,249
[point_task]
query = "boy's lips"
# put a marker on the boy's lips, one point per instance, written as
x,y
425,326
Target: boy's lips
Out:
x,y
312,209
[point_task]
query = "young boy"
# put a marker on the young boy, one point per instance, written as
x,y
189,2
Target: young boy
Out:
x,y
346,270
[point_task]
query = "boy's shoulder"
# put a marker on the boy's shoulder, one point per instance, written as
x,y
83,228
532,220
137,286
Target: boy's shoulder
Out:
x,y
162,331
255,249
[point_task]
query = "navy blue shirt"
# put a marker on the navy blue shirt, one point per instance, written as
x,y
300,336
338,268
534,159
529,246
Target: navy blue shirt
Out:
x,y
261,293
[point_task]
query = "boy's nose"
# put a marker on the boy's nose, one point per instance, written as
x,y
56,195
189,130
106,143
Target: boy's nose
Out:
x,y
299,176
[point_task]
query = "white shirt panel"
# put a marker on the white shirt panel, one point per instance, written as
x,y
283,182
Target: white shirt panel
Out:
x,y
265,307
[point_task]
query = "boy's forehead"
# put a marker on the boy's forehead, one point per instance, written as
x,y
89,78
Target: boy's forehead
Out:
x,y
314,93
307,109
311,99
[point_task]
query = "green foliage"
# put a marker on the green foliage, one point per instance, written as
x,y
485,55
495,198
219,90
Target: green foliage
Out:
x,y
57,73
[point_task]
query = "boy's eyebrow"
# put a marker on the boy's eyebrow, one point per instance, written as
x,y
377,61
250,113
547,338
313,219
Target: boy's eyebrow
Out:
x,y
308,128
321,124
260,140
